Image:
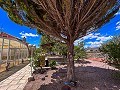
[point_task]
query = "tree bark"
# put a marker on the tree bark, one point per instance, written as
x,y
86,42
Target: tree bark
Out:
x,y
70,65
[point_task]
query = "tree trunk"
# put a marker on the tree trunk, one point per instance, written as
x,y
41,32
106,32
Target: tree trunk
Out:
x,y
70,65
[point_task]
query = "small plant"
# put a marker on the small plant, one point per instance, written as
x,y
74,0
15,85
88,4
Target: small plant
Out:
x,y
116,75
36,63
52,65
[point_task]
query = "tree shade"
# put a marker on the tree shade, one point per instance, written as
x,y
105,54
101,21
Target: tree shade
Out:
x,y
65,20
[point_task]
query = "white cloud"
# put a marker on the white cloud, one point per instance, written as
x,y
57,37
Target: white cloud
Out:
x,y
91,36
94,43
98,40
118,13
27,35
97,34
118,25
77,41
104,38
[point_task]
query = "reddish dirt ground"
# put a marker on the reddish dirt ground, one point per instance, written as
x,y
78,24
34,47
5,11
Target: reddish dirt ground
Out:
x,y
90,75
96,59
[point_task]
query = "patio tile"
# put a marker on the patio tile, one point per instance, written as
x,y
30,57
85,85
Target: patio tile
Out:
x,y
21,86
7,81
24,77
3,84
13,87
22,81
14,82
4,87
11,78
17,81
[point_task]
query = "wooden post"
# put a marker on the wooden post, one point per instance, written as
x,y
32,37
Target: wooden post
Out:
x,y
2,49
19,52
8,53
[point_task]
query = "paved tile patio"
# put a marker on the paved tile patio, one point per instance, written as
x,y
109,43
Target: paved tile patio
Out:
x,y
17,81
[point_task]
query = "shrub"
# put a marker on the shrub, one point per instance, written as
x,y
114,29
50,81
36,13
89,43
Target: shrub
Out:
x,y
112,50
52,64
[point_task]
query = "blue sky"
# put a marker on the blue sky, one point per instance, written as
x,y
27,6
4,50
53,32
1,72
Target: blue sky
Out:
x,y
17,30
103,34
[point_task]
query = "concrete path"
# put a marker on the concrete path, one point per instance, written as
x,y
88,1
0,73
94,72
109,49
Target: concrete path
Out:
x,y
17,81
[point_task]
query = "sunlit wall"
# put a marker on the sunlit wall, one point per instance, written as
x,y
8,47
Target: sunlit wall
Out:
x,y
12,51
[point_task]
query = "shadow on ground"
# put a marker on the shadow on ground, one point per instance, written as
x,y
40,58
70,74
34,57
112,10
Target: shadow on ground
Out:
x,y
83,62
88,78
12,70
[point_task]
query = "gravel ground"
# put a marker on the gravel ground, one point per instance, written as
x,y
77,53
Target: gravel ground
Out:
x,y
90,75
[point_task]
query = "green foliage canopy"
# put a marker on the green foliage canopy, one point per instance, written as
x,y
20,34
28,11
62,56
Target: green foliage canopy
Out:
x,y
49,44
65,20
112,49
79,51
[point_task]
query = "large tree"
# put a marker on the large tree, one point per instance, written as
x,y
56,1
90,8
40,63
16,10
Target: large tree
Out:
x,y
65,20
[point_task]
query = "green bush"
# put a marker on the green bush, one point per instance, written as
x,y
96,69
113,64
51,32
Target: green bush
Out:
x,y
116,75
52,64
36,63
112,50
